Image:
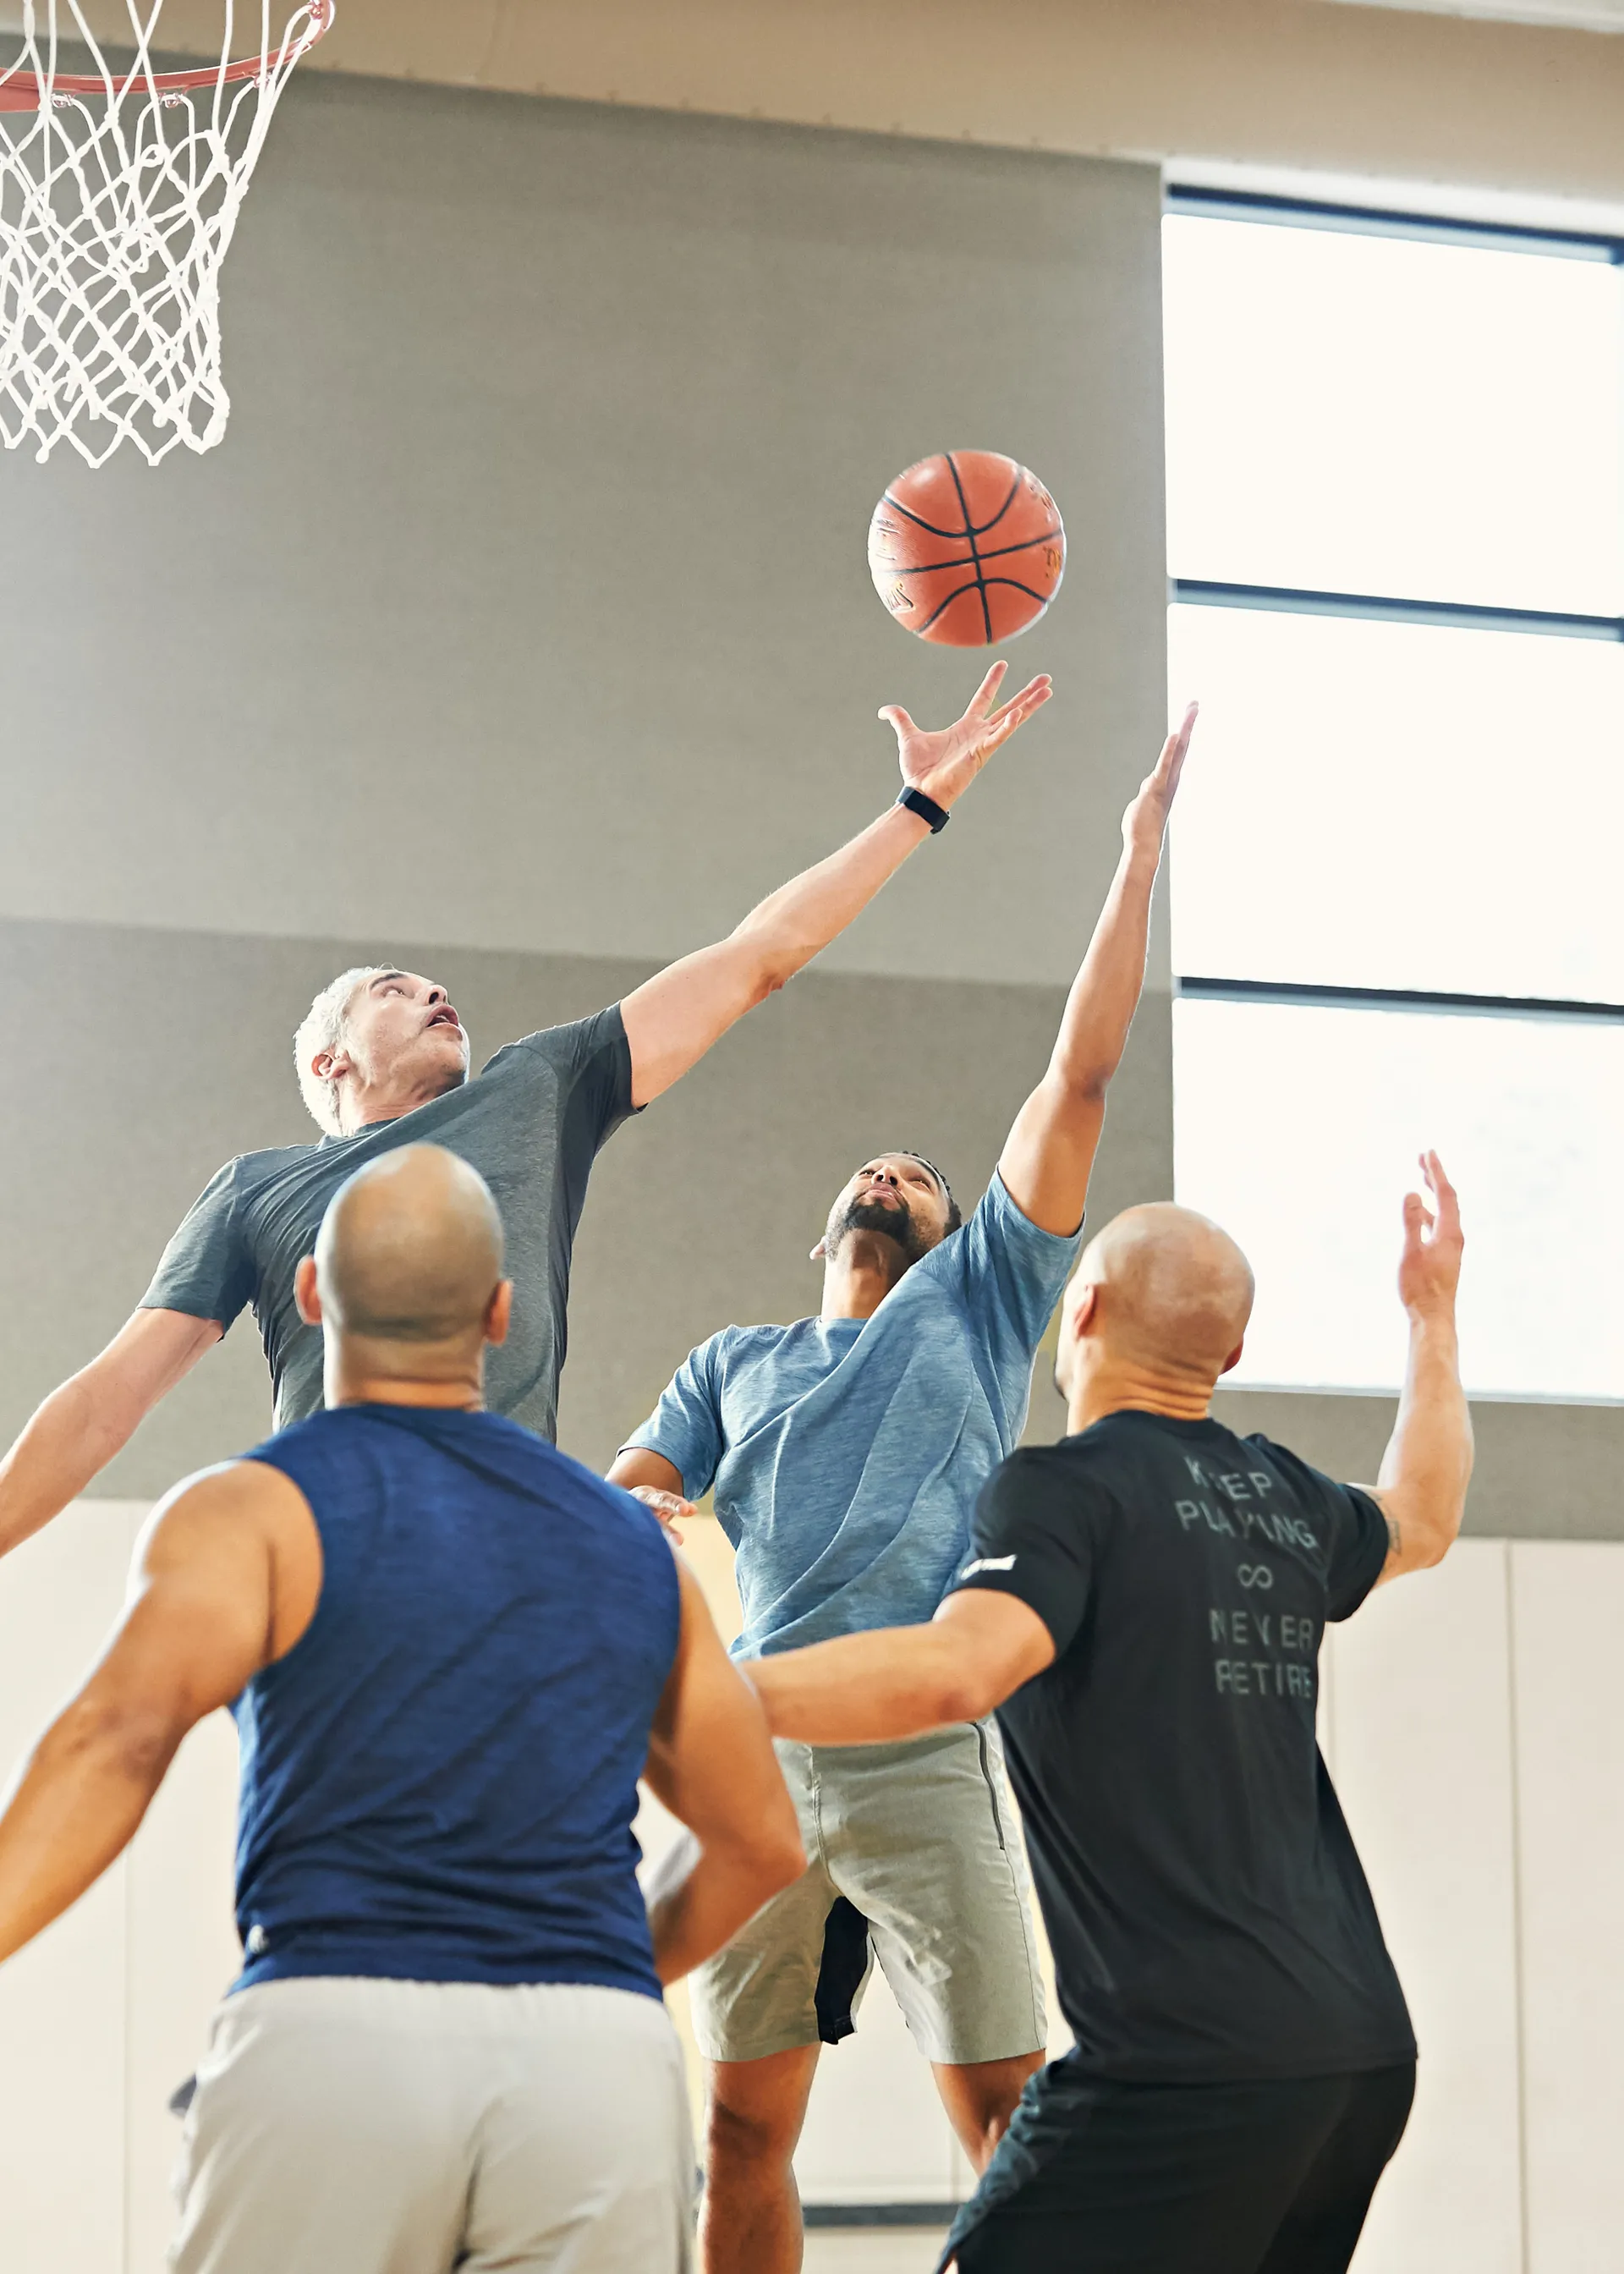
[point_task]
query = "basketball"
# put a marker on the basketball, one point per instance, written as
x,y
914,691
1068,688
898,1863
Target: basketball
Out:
x,y
967,548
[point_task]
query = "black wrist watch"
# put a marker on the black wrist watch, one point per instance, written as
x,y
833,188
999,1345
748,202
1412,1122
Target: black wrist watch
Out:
x,y
927,807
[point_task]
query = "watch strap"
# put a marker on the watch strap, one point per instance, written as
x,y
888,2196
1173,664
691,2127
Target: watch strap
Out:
x,y
927,807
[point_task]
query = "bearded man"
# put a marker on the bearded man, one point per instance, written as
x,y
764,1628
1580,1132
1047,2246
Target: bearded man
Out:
x,y
847,1452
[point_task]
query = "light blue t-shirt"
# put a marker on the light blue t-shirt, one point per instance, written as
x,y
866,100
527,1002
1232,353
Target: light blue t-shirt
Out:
x,y
848,1454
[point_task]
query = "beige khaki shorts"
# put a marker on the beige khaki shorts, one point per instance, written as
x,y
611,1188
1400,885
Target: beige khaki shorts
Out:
x,y
921,1838
362,2127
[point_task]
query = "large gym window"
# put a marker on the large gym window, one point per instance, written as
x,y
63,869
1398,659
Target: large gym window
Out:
x,y
1396,529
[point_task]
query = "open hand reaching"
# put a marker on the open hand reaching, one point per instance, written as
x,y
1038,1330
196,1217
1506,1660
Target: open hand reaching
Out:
x,y
945,763
1429,1270
1145,823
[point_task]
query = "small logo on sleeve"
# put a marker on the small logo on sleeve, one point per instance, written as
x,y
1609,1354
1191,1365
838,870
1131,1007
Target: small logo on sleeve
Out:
x,y
988,1563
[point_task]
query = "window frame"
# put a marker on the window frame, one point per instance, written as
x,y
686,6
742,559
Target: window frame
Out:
x,y
1268,207
1193,199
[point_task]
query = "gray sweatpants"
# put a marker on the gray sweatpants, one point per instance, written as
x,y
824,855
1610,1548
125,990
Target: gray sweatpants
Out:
x,y
348,2126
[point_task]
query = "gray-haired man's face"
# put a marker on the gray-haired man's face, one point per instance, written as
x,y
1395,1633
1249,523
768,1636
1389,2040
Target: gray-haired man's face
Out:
x,y
402,1027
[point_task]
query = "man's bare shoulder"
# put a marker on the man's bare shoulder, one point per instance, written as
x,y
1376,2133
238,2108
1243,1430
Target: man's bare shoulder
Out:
x,y
233,1494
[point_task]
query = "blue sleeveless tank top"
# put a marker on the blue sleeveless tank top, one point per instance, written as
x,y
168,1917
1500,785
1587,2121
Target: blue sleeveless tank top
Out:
x,y
438,1780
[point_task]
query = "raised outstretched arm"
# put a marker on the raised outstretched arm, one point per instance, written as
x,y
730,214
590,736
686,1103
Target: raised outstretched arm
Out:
x,y
1428,1463
1049,1156
673,1019
80,1426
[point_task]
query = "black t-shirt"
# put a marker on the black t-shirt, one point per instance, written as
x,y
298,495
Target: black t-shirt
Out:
x,y
1209,1918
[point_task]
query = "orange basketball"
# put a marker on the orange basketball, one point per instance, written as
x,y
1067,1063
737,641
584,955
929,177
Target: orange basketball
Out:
x,y
967,548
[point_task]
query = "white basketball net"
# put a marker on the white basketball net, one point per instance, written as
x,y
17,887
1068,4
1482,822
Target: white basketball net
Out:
x,y
120,188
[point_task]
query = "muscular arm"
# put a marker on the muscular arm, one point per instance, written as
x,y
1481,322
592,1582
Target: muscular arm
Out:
x,y
1049,1156
711,1762
897,1681
200,1622
76,1432
1428,1463
673,1019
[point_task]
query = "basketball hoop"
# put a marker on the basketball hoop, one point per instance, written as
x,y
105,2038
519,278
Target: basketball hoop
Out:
x,y
119,190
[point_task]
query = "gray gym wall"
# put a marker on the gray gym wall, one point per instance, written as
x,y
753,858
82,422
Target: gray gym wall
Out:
x,y
521,632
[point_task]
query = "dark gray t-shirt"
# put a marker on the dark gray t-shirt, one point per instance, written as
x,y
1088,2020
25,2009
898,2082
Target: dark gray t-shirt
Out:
x,y
531,1122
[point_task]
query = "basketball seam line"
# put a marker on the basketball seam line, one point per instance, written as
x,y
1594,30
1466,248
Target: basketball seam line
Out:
x,y
964,507
998,553
958,593
961,589
979,530
1007,501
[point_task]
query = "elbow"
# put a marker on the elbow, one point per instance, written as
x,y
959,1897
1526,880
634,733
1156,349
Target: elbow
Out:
x,y
1431,1537
1443,1538
777,1859
773,975
787,1863
947,1687
1087,1085
136,1742
1076,1088
778,1855
958,1695
772,961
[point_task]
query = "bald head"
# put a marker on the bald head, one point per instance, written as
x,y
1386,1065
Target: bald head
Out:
x,y
410,1250
1172,1292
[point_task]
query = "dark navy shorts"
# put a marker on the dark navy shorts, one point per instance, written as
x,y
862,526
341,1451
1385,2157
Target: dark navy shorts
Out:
x,y
1100,2178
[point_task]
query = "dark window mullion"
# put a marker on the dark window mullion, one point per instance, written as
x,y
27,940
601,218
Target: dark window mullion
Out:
x,y
1306,994
1381,221
1463,615
1377,607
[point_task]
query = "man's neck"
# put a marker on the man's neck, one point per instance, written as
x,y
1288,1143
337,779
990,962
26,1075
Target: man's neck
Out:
x,y
1121,1388
365,1109
355,1378
391,1390
859,1278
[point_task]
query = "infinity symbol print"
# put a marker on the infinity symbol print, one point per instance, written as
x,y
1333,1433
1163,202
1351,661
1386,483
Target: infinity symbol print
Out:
x,y
1256,1575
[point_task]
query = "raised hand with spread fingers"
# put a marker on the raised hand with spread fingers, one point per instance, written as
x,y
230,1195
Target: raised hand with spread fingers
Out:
x,y
944,764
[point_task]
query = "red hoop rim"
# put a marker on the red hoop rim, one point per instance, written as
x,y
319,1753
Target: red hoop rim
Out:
x,y
26,91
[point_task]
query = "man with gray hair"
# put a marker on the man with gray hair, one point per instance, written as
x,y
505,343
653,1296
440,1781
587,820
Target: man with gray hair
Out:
x,y
383,1060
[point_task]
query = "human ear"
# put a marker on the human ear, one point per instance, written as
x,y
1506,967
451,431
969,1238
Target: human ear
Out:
x,y
498,1312
1234,1359
304,1293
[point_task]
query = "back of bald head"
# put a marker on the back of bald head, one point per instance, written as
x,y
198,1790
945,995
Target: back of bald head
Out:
x,y
411,1249
1174,1291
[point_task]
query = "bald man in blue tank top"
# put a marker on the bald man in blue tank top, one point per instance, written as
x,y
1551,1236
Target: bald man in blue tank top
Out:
x,y
847,1452
451,1652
